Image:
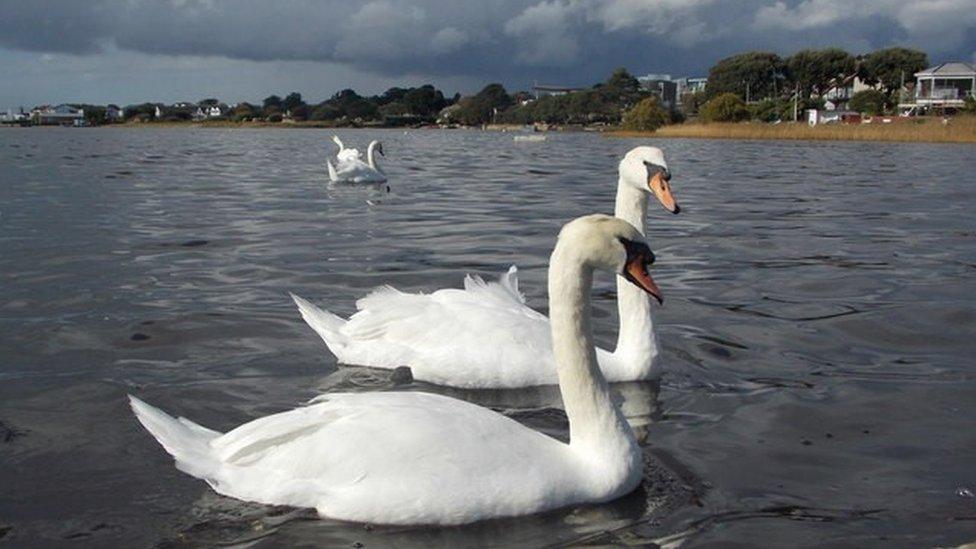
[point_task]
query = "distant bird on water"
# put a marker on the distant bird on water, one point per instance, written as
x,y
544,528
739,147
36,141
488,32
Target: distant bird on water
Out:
x,y
350,168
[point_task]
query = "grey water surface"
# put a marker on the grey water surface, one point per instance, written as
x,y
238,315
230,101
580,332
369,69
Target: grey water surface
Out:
x,y
818,331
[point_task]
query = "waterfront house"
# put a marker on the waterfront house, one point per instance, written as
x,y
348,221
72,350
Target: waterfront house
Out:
x,y
113,113
13,117
541,91
61,115
662,87
942,87
692,84
839,94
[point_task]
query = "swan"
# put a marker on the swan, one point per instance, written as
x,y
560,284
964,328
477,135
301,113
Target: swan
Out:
x,y
485,336
422,458
350,167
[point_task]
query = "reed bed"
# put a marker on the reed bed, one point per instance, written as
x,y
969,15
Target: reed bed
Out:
x,y
960,129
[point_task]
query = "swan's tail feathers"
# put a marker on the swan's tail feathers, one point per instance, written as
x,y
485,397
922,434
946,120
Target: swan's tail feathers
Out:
x,y
509,281
327,325
505,291
332,171
186,441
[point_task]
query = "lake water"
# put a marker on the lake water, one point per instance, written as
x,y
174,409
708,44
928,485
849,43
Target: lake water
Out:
x,y
818,332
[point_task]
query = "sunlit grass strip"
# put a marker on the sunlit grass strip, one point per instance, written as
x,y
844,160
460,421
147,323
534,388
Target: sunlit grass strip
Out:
x,y
960,129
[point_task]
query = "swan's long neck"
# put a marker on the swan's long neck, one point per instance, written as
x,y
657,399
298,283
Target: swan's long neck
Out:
x,y
596,426
370,157
636,342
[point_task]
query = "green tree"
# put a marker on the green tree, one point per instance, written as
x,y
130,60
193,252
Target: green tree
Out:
x,y
969,105
353,105
481,107
300,112
425,101
645,116
816,71
889,66
691,102
142,111
868,102
291,101
759,73
768,110
94,114
243,111
391,95
727,107
325,111
622,88
272,101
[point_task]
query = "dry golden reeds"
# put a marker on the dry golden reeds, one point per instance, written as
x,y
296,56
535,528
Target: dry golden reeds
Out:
x,y
958,129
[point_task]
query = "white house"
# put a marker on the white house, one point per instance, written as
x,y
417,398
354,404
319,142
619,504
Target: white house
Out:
x,y
943,86
113,113
841,92
62,115
542,91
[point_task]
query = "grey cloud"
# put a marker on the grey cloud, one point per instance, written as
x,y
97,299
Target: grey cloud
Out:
x,y
572,41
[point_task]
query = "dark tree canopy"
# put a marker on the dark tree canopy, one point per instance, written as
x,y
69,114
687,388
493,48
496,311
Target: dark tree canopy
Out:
x,y
424,101
887,67
481,107
816,71
272,101
726,107
622,87
759,73
291,101
646,116
353,105
868,102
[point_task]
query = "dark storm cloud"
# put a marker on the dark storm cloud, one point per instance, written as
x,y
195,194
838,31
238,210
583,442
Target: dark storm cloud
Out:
x,y
566,40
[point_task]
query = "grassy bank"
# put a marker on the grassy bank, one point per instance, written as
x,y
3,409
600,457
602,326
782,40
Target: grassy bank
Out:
x,y
960,129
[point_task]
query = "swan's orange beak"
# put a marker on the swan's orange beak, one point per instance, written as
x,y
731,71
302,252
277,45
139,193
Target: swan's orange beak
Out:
x,y
661,187
636,272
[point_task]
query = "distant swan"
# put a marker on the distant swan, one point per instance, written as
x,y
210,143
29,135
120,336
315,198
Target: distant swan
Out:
x,y
421,458
350,167
485,336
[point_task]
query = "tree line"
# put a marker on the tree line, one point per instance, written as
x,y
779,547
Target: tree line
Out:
x,y
767,87
751,85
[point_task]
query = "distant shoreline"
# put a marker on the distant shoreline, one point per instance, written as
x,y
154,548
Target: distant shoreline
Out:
x,y
959,129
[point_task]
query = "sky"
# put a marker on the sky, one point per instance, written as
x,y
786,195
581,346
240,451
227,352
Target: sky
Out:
x,y
128,51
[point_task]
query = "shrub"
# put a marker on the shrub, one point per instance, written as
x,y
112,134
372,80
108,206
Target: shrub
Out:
x,y
868,102
970,105
768,110
726,107
646,116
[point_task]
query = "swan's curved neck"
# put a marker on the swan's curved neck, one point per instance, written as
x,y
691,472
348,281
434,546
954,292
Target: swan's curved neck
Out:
x,y
636,342
596,425
370,156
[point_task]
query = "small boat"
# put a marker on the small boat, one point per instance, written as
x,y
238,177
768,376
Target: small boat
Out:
x,y
530,138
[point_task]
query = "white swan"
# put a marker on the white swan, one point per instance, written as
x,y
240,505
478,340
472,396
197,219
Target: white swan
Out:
x,y
350,167
420,458
485,336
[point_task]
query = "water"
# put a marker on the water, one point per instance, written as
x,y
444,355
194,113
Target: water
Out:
x,y
818,329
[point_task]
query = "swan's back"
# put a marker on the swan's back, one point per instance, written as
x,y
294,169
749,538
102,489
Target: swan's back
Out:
x,y
397,458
